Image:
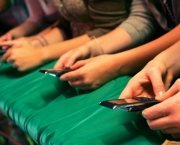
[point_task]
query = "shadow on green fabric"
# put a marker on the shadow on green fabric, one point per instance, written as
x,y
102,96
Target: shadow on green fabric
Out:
x,y
53,113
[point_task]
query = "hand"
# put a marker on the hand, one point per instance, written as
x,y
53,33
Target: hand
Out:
x,y
151,81
165,115
6,37
13,43
21,41
24,57
91,73
91,49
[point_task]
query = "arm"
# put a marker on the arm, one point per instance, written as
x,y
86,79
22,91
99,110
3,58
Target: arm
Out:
x,y
54,51
92,75
32,23
136,58
137,29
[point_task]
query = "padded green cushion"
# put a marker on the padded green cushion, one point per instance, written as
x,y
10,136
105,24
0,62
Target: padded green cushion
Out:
x,y
53,113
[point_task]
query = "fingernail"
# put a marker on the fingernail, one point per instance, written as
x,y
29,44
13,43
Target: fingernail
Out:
x,y
67,66
62,78
160,93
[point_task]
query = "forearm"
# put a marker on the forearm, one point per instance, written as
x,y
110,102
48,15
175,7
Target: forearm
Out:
x,y
137,29
141,24
25,29
133,60
115,41
54,36
54,51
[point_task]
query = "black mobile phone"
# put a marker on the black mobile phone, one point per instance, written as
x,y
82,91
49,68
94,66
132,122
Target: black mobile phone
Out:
x,y
2,51
55,72
130,105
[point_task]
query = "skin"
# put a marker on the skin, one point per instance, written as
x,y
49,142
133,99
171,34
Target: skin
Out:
x,y
21,55
154,80
124,63
97,46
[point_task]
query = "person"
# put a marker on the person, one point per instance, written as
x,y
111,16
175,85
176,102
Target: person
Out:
x,y
114,12
88,74
156,80
41,15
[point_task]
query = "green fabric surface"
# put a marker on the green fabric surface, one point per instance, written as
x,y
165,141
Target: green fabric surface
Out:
x,y
53,113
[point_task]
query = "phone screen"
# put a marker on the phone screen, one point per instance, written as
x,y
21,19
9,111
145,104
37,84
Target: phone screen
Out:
x,y
128,104
123,101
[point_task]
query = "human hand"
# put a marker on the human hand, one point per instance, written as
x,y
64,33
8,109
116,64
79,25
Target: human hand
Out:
x,y
152,81
13,43
165,115
24,57
6,37
91,49
34,41
91,73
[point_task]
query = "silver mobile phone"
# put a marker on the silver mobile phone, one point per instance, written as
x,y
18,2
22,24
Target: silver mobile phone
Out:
x,y
130,105
55,72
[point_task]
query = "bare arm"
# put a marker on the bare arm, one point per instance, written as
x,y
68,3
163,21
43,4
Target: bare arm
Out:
x,y
137,29
133,60
54,51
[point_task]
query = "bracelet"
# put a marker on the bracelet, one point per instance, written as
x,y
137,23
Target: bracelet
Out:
x,y
44,40
36,39
97,42
41,40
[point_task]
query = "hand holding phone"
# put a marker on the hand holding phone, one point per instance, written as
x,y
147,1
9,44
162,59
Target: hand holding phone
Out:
x,y
130,105
55,72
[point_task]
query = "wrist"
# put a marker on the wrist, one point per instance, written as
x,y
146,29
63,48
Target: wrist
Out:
x,y
39,41
116,65
95,47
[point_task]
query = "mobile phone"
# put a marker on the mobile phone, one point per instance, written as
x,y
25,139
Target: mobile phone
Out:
x,y
131,105
2,51
55,72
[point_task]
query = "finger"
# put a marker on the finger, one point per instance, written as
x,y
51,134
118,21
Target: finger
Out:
x,y
175,88
62,61
8,43
176,136
9,37
4,38
6,56
128,91
171,130
78,82
4,47
156,111
9,59
79,64
156,80
73,75
14,65
74,56
161,123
